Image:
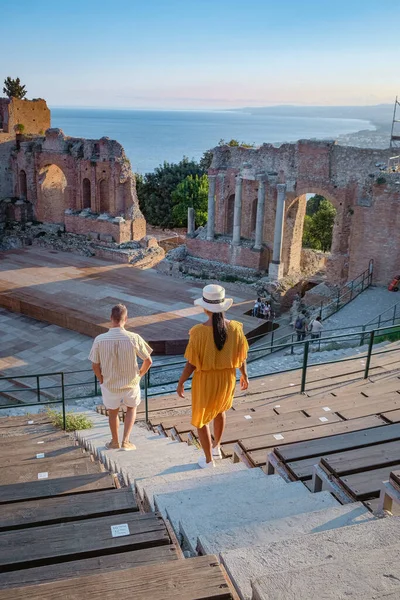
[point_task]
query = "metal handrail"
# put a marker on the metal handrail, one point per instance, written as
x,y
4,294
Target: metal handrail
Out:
x,y
372,335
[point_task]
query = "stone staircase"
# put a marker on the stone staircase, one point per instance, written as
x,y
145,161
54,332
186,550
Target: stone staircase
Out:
x,y
276,540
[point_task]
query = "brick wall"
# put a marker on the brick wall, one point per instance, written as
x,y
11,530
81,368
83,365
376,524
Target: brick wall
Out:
x,y
120,232
222,251
34,115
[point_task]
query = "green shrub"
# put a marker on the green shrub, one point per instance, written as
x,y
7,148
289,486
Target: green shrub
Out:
x,y
73,421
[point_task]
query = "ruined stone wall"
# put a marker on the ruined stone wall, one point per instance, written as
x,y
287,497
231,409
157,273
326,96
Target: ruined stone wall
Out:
x,y
34,115
56,173
367,218
223,251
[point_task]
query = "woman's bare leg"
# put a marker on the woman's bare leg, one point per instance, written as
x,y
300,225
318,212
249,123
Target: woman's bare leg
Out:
x,y
205,441
219,426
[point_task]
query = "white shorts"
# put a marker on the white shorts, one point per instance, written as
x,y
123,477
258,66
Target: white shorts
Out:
x,y
114,400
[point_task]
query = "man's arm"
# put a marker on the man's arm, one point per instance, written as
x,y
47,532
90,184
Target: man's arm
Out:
x,y
97,371
145,366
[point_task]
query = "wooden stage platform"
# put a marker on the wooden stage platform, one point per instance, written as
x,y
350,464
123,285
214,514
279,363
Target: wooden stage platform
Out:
x,y
77,292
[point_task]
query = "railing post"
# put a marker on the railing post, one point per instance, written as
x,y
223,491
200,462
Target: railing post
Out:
x,y
292,348
272,338
394,313
37,388
379,322
370,346
362,336
304,369
146,400
338,302
96,391
63,401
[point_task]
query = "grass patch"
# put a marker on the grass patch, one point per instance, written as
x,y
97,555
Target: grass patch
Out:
x,y
392,336
73,421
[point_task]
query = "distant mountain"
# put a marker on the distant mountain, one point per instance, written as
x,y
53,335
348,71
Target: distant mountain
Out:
x,y
379,114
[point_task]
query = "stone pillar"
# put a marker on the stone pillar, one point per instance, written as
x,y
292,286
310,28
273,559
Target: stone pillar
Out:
x,y
260,213
237,215
276,267
211,207
191,225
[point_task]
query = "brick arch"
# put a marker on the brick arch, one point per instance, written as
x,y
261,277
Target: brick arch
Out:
x,y
23,186
86,193
295,212
52,194
104,199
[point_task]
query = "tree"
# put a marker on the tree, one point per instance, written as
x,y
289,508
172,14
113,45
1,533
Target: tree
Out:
x,y
155,190
318,229
313,204
191,192
13,88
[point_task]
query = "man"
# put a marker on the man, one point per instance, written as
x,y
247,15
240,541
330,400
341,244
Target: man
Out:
x,y
114,362
300,326
316,328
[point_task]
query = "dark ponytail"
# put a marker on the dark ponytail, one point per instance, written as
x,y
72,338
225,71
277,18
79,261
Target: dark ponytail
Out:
x,y
219,330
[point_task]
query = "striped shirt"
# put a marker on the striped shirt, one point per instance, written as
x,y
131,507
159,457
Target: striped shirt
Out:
x,y
116,351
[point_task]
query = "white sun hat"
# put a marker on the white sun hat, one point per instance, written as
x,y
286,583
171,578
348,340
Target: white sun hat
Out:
x,y
214,299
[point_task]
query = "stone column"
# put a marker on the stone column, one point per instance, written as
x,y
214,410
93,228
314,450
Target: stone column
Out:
x,y
211,207
237,215
276,268
260,213
191,224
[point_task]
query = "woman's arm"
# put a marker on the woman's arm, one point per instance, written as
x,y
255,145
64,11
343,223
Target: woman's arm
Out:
x,y
244,378
186,373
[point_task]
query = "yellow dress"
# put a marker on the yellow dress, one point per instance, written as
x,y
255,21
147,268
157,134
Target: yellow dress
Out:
x,y
214,379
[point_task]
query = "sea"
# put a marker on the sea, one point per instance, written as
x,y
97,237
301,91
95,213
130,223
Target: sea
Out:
x,y
151,137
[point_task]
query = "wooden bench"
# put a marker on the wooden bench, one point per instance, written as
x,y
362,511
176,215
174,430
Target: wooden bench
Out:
x,y
46,488
256,447
51,544
199,578
89,566
61,509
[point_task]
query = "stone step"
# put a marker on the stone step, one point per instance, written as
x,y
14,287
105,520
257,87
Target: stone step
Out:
x,y
183,480
366,575
262,534
238,499
246,564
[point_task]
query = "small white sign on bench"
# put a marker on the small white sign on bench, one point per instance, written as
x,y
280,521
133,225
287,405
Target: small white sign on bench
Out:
x,y
40,442
247,416
30,422
43,475
278,436
41,455
120,530
323,419
326,409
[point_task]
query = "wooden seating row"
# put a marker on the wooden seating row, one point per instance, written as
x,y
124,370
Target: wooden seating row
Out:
x,y
66,529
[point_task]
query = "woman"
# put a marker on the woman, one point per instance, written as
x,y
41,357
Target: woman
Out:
x,y
214,352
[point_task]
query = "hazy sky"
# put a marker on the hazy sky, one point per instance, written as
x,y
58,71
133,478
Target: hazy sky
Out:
x,y
202,53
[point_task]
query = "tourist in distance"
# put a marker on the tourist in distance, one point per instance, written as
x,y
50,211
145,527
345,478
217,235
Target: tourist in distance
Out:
x,y
215,350
114,362
316,328
256,308
300,326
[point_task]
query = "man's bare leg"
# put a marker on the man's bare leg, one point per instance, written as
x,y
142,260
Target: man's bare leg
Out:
x,y
129,421
113,420
219,426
